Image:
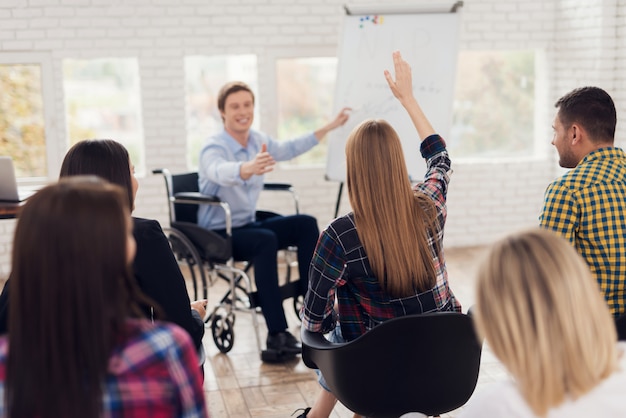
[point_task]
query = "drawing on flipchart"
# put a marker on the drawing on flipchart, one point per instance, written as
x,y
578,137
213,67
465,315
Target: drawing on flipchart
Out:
x,y
363,106
428,43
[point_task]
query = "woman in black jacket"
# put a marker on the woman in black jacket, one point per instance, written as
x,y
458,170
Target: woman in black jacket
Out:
x,y
155,267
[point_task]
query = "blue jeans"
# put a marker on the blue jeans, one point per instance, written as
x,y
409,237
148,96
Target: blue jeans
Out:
x,y
259,243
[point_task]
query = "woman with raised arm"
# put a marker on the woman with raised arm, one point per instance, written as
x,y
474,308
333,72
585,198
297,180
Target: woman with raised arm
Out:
x,y
542,313
385,259
77,347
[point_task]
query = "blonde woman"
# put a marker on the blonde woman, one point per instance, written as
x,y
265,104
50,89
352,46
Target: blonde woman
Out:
x,y
384,259
542,313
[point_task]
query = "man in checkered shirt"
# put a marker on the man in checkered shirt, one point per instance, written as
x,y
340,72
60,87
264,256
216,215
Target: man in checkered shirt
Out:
x,y
587,205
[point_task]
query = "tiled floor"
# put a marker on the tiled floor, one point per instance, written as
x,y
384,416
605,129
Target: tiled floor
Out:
x,y
239,385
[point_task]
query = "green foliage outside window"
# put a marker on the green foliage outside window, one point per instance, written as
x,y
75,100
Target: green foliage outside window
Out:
x,y
494,104
21,119
306,87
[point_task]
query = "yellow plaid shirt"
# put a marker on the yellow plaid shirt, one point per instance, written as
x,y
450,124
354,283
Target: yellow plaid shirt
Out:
x,y
587,206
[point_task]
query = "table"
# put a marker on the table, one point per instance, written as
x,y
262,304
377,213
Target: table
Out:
x,y
9,210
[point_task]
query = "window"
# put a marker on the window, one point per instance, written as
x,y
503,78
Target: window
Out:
x,y
305,90
103,100
495,104
24,93
204,76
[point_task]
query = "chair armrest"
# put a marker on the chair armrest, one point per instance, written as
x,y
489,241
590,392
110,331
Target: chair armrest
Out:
x,y
315,340
312,344
196,197
277,186
157,171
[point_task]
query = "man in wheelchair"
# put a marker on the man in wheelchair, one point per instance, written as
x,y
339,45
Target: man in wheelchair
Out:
x,y
232,165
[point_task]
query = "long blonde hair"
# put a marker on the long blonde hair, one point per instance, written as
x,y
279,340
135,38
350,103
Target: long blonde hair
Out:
x,y
543,315
393,222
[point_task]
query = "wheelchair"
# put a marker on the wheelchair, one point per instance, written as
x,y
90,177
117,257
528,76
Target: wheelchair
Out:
x,y
207,257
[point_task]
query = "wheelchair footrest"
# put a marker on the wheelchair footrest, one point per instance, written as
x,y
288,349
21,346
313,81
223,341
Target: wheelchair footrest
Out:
x,y
253,298
290,290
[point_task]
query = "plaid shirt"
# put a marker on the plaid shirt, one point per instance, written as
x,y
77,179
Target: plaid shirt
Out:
x,y
587,206
153,373
340,265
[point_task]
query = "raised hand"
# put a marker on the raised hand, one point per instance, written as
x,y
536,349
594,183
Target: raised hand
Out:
x,y
402,89
402,86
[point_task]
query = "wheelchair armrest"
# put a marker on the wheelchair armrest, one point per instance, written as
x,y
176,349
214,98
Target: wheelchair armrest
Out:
x,y
283,187
196,197
277,186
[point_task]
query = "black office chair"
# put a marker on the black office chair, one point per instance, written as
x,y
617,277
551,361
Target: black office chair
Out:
x,y
207,256
425,363
620,324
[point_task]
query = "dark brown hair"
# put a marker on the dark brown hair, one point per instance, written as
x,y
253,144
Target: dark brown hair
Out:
x,y
593,109
71,289
104,158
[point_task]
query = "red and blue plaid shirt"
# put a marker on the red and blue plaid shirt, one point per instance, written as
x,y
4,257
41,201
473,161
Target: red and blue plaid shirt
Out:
x,y
340,266
153,373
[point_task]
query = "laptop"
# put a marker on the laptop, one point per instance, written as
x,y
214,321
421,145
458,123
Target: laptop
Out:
x,y
9,192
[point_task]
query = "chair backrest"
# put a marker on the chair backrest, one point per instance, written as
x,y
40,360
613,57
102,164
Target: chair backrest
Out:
x,y
182,183
620,323
425,363
211,246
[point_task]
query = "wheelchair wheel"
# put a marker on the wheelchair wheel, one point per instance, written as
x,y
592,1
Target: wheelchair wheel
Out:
x,y
223,333
189,261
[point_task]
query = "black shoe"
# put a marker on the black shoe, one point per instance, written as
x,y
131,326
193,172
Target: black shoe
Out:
x,y
284,342
275,356
302,415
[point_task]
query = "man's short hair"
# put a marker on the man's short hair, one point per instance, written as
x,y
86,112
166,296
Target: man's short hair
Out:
x,y
230,88
592,108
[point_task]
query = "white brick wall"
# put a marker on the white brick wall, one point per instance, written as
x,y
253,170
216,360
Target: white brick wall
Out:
x,y
584,42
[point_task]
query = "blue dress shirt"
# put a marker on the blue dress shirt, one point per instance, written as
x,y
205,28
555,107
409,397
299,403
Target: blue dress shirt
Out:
x,y
219,174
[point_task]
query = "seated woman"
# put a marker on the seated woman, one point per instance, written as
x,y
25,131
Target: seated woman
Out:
x,y
385,259
155,267
543,316
77,347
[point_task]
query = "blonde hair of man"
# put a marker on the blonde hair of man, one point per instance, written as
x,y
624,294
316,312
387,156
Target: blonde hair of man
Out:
x,y
393,222
544,317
